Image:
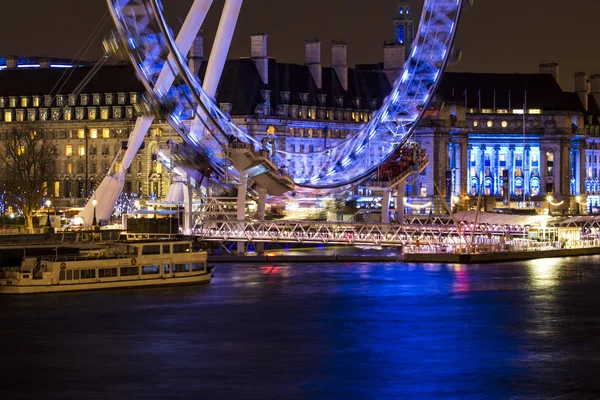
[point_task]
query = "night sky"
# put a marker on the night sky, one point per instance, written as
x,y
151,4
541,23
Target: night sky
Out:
x,y
495,35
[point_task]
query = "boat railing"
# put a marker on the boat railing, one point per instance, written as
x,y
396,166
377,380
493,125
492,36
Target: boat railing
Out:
x,y
85,257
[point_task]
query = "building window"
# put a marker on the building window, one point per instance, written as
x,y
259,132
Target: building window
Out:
x,y
68,150
105,150
36,101
93,167
81,133
8,116
93,150
80,167
24,101
69,168
104,113
490,124
106,133
504,124
93,133
81,150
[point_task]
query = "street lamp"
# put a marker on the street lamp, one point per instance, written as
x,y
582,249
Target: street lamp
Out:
x,y
47,203
94,221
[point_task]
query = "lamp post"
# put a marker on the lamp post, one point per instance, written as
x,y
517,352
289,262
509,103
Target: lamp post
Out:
x,y
47,203
94,221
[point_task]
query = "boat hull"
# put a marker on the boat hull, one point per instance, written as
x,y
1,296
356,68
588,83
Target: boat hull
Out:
x,y
198,279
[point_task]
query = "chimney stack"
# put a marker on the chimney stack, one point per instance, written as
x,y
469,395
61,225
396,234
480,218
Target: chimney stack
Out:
x,y
339,61
196,54
44,62
11,61
258,52
313,60
595,83
394,55
582,88
550,68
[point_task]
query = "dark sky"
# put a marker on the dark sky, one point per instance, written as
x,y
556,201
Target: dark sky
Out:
x,y
495,35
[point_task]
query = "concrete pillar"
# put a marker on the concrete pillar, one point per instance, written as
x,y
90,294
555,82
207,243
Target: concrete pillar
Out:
x,y
385,207
262,205
557,181
582,170
400,202
187,208
543,169
258,52
241,207
312,50
565,168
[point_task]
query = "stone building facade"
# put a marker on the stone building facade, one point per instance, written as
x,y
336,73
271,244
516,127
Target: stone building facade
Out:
x,y
479,126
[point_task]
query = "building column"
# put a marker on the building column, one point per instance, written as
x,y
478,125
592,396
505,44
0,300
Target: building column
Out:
x,y
582,170
385,207
496,171
465,168
543,169
526,169
482,149
510,165
556,173
565,165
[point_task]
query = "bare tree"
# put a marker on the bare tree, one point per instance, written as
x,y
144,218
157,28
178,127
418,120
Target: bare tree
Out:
x,y
27,165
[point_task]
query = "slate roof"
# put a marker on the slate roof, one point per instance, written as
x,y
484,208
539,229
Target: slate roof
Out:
x,y
241,86
41,81
542,90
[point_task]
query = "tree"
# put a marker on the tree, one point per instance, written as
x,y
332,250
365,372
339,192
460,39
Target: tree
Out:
x,y
27,165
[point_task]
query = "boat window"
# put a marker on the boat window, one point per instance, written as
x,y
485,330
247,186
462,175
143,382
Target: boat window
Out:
x,y
69,275
181,248
150,269
107,272
197,266
181,267
62,276
167,268
88,273
76,274
133,251
151,249
166,248
130,271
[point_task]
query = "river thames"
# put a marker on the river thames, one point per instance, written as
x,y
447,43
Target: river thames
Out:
x,y
524,330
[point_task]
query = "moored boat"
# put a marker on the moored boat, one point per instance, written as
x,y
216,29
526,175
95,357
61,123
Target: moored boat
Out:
x,y
117,265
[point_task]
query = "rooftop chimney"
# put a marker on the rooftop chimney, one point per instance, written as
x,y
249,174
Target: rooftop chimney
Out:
x,y
196,54
595,86
258,52
394,55
339,62
582,88
11,61
313,60
550,68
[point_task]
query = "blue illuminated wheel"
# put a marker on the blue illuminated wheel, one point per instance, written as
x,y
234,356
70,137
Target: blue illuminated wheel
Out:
x,y
148,41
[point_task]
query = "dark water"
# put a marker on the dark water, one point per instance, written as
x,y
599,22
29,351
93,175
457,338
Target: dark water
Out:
x,y
329,331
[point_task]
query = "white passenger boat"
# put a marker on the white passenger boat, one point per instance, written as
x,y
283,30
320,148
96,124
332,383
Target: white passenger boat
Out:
x,y
118,265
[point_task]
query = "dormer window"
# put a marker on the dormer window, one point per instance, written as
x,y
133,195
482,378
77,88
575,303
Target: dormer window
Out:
x,y
84,99
108,99
121,98
72,100
60,100
12,102
133,98
96,99
47,101
24,101
36,101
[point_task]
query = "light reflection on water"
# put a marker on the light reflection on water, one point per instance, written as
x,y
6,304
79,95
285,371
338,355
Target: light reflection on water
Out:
x,y
323,330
